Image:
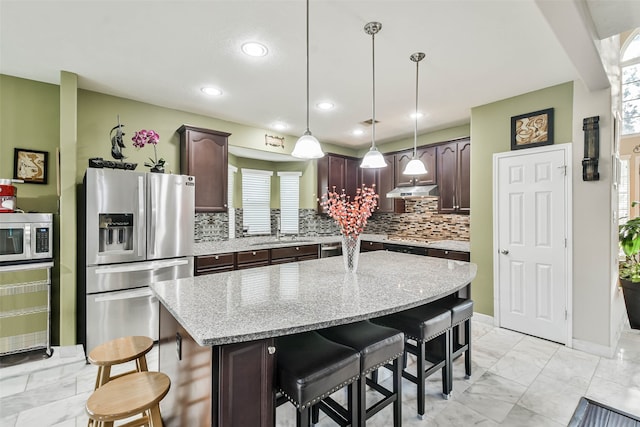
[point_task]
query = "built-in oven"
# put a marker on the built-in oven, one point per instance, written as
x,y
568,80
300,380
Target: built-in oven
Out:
x,y
25,237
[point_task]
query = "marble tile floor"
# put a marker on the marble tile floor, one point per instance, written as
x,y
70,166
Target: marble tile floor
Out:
x,y
517,381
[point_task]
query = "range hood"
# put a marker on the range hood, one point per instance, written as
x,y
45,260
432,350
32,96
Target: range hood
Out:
x,y
413,192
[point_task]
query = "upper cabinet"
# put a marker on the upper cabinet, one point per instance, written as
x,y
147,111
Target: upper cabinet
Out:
x,y
453,171
428,157
383,179
337,171
203,154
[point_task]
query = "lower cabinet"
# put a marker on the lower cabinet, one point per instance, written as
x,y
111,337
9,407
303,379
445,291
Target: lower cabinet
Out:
x,y
367,246
294,253
216,263
227,385
444,253
207,264
252,259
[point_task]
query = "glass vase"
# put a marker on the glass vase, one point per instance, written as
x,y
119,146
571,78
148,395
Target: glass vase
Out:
x,y
350,252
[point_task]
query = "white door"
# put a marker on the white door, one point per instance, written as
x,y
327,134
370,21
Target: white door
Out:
x,y
530,217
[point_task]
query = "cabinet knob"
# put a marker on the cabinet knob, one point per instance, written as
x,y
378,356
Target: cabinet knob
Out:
x,y
297,248
271,349
446,252
253,253
217,257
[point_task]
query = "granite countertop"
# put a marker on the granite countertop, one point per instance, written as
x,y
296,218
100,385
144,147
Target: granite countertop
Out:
x,y
268,242
246,305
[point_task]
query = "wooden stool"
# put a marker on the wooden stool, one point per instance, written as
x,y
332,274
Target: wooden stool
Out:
x,y
123,397
117,351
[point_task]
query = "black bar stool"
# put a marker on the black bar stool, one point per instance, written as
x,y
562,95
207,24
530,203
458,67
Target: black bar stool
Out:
x,y
424,324
378,346
309,369
461,313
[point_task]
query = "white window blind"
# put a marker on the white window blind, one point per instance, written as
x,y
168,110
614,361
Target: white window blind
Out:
x,y
630,62
289,201
231,211
256,201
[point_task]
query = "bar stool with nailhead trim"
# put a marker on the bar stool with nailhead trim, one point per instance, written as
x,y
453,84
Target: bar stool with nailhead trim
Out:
x,y
118,351
309,369
378,346
423,324
461,313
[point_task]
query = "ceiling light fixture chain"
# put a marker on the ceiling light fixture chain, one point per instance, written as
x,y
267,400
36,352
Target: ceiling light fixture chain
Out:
x,y
415,165
307,146
373,158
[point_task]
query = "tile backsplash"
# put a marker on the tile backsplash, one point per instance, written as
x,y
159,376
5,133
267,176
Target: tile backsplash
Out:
x,y
421,221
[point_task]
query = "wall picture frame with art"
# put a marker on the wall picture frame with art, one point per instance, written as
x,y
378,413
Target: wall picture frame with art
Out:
x,y
533,129
30,165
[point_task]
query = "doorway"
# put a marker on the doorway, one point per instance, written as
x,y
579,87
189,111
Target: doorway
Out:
x,y
532,262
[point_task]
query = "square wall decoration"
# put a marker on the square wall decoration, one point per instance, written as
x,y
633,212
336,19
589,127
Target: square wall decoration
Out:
x,y
30,165
532,129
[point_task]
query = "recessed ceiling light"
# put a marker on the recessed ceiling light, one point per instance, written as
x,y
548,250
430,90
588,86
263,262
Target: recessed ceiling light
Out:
x,y
213,91
254,49
325,105
357,132
280,126
418,115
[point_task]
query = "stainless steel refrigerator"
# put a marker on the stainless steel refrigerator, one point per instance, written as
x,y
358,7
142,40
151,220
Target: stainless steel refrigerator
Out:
x,y
138,229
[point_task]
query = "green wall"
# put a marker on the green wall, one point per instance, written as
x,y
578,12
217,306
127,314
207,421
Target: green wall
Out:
x,y
490,130
424,139
30,118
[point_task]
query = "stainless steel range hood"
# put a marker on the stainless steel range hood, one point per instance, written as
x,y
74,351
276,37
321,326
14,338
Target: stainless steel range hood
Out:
x,y
413,192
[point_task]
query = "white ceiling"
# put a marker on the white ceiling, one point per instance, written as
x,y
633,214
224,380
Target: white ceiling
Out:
x,y
163,52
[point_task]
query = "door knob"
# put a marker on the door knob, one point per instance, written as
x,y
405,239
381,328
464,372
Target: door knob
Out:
x,y
504,252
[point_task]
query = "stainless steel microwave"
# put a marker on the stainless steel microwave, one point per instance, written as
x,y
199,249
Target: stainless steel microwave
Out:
x,y
25,237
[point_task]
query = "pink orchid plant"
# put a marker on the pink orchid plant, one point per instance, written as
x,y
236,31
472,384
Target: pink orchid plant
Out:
x,y
144,137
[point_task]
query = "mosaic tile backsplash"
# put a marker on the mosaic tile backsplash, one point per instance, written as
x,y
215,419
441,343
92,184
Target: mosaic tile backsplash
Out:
x,y
421,221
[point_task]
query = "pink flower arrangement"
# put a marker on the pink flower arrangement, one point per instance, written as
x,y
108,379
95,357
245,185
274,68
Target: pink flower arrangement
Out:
x,y
351,215
144,137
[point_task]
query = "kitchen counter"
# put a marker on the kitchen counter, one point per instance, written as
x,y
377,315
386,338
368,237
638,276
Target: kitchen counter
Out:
x,y
268,242
247,305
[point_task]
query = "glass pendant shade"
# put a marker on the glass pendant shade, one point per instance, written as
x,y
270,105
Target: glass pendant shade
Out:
x,y
373,159
307,147
415,167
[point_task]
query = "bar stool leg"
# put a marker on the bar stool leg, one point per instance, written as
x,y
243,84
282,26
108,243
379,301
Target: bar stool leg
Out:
x,y
447,374
421,378
141,364
156,419
353,405
362,401
467,353
303,417
397,390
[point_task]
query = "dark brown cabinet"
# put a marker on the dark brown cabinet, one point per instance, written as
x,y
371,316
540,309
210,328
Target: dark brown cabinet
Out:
x,y
448,254
453,169
368,246
203,154
337,173
293,254
428,157
251,259
227,385
383,179
207,264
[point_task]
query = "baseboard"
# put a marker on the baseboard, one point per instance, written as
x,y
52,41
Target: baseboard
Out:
x,y
484,318
592,348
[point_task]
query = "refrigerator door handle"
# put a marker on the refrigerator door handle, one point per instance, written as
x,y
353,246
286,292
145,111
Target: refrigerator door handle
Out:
x,y
152,222
142,267
141,228
136,293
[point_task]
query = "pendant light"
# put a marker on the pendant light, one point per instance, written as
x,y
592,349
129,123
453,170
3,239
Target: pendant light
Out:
x,y
373,158
307,146
415,166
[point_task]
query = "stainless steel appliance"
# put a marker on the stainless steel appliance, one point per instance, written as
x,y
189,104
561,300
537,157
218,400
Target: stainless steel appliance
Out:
x,y
26,259
25,237
138,230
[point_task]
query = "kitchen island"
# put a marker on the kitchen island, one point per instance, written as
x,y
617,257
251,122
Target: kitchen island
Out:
x,y
216,331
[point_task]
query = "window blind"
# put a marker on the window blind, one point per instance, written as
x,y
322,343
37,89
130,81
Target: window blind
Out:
x,y
231,211
256,201
289,201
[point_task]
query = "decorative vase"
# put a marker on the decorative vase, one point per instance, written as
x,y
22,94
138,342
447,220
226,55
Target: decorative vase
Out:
x,y
631,292
350,252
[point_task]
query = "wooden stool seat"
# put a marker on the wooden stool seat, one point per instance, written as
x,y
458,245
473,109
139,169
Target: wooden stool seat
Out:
x,y
117,351
127,396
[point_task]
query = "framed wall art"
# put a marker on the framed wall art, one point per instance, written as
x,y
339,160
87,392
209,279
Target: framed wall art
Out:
x,y
30,165
532,129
